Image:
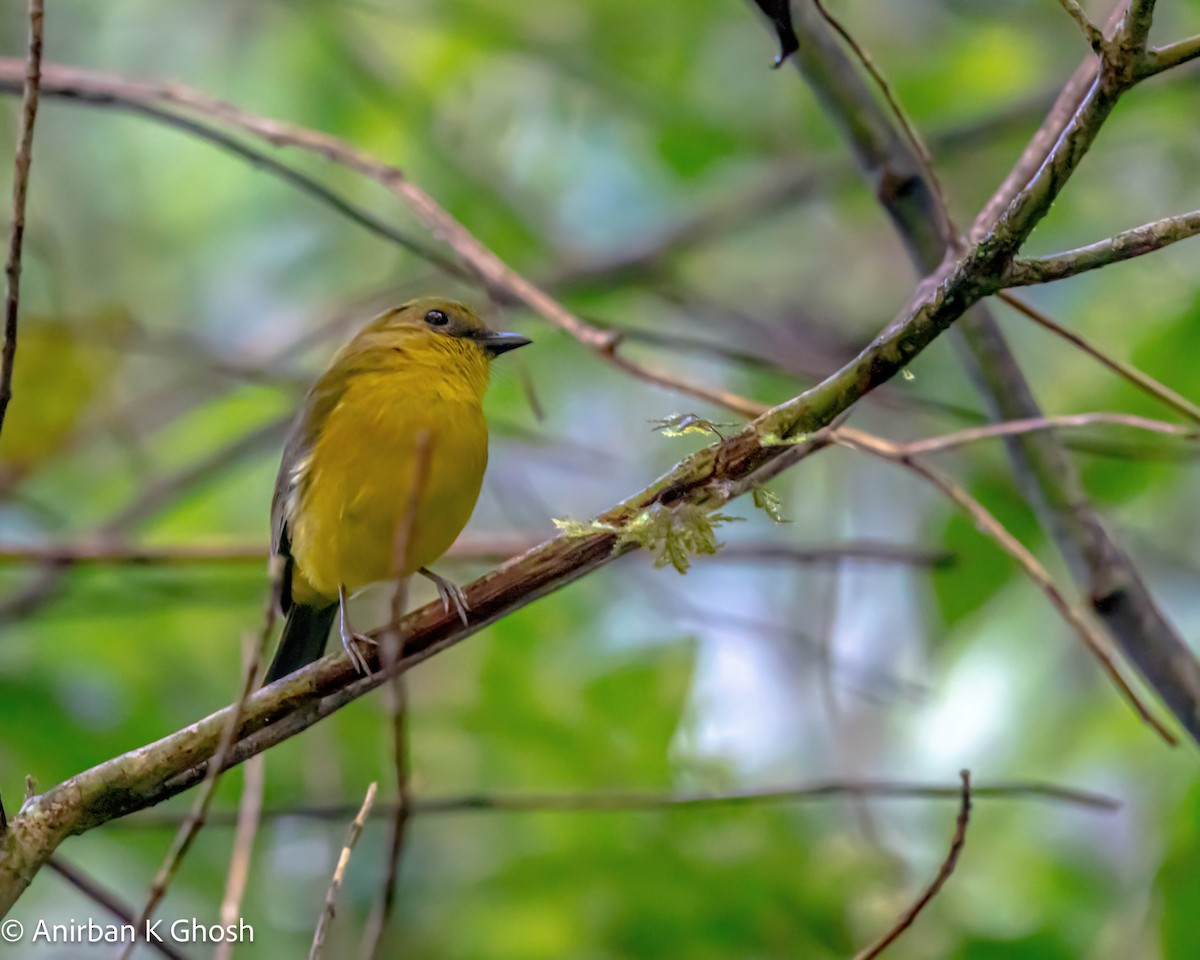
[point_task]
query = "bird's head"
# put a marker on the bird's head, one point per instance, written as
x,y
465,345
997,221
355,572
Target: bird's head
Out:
x,y
434,322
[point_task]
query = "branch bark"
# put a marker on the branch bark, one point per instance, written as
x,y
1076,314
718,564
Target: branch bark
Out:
x,y
1126,245
1111,583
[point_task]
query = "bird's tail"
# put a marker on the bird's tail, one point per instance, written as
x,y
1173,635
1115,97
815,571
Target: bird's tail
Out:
x,y
303,639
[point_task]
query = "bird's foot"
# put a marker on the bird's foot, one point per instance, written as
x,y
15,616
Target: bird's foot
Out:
x,y
450,592
352,641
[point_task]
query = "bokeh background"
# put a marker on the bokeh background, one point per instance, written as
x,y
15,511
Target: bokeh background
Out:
x,y
644,161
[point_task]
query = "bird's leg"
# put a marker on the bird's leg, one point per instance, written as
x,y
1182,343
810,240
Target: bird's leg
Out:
x,y
350,639
450,592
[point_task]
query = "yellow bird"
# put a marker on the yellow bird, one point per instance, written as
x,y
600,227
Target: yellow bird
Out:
x,y
349,465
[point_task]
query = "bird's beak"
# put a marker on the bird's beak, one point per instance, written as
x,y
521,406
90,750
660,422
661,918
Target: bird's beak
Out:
x,y
495,343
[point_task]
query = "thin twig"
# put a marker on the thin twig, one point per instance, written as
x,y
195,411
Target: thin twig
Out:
x,y
1143,381
196,817
16,236
987,524
763,199
1106,575
1158,59
391,652
722,398
1091,33
1010,428
495,275
942,205
943,874
638,800
476,549
1135,242
91,889
339,874
1072,96
249,815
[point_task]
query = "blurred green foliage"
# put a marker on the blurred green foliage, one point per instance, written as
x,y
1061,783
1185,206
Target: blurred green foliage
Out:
x,y
567,136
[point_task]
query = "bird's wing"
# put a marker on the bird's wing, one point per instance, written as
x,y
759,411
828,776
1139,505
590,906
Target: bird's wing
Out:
x,y
294,472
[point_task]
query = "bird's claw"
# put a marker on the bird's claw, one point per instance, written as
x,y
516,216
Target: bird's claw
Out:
x,y
351,642
451,593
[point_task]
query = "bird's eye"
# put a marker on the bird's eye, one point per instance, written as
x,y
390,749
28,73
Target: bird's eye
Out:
x,y
436,318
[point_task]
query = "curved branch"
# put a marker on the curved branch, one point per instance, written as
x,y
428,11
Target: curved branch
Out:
x,y
481,263
943,874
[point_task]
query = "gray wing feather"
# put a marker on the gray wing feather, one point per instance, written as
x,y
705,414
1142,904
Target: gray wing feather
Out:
x,y
294,473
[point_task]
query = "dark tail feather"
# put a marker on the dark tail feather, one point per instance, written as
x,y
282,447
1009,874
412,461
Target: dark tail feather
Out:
x,y
303,639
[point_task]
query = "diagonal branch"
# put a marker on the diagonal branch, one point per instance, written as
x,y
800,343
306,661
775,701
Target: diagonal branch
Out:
x,y
1126,245
496,277
1051,482
339,874
1159,59
992,528
1010,428
109,901
1143,381
1091,33
197,817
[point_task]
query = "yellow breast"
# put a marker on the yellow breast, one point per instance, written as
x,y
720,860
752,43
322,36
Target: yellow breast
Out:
x,y
360,473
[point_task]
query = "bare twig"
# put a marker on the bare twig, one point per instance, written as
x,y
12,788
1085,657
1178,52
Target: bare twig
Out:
x,y
1158,59
942,206
249,815
1136,242
1011,428
1066,106
773,194
476,549
196,817
1091,33
496,276
339,874
16,236
987,524
1143,381
1050,481
391,652
635,800
722,398
943,874
109,901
